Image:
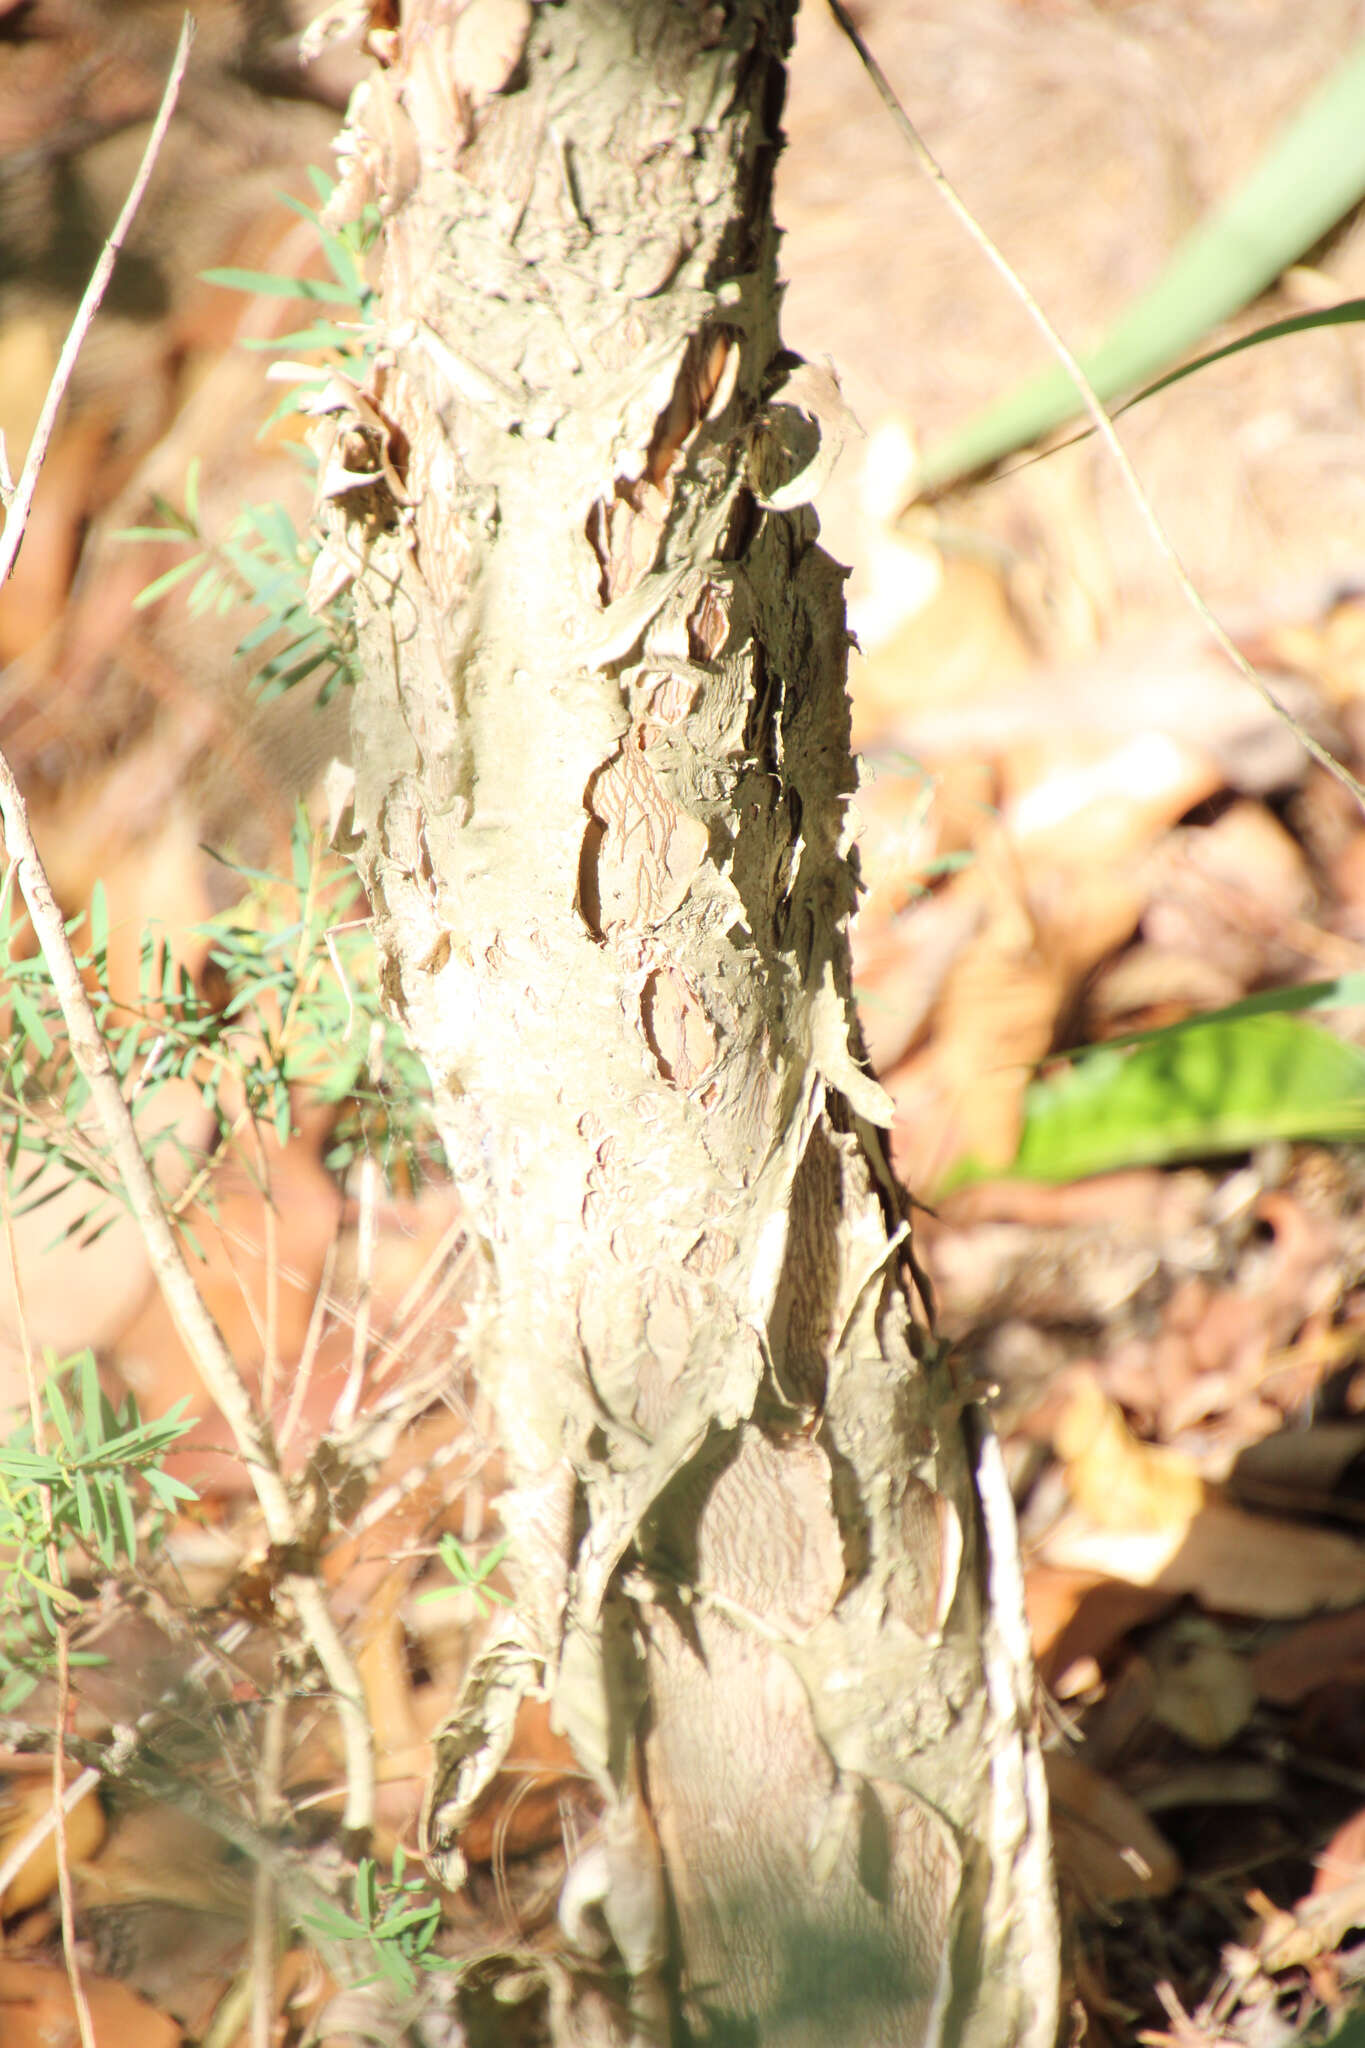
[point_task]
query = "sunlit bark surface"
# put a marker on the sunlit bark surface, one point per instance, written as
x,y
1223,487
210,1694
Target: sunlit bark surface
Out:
x,y
603,782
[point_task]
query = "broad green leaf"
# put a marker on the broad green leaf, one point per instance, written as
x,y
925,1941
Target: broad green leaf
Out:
x,y
1210,1087
1308,179
1346,992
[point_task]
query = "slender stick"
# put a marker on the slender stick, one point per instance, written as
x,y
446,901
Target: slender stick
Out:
x,y
18,498
1094,405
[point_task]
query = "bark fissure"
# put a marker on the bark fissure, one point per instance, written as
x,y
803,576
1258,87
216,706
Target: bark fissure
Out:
x,y
604,785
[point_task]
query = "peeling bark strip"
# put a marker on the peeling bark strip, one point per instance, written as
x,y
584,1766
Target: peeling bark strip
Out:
x,y
603,779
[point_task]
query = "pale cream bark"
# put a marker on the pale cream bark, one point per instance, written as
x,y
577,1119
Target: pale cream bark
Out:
x,y
764,1554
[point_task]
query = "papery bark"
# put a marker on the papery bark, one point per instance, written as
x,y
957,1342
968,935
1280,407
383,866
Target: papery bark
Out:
x,y
603,785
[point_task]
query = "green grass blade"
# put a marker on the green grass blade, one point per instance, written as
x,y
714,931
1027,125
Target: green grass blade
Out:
x,y
1311,175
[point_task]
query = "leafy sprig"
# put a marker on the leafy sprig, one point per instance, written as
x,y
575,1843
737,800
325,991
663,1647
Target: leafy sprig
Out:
x,y
398,1918
299,1011
80,1497
263,561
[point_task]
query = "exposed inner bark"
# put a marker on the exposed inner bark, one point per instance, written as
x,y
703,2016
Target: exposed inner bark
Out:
x,y
603,777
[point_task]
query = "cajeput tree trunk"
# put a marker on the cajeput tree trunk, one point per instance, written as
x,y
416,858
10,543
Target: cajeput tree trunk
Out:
x,y
763,1550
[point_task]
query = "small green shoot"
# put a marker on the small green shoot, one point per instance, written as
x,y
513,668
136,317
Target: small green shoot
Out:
x,y
470,1575
397,1917
263,562
82,1496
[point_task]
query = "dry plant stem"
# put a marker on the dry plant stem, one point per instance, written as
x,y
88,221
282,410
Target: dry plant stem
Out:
x,y
65,1897
303,1372
43,1826
57,1810
344,1414
201,1335
270,1366
19,499
264,1902
1094,406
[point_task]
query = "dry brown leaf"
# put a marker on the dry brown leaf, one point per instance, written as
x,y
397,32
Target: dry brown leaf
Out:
x,y
963,635
1094,798
1077,1618
1231,1561
1204,1691
25,1798
1106,1846
996,1015
520,1811
37,2011
1114,1479
1327,1651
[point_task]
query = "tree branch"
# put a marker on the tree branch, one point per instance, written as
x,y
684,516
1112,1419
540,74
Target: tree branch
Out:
x,y
18,498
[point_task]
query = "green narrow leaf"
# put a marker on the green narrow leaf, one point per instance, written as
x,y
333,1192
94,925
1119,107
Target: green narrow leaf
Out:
x,y
99,922
85,1513
1348,313
168,1490
159,585
1312,174
333,1923
264,284
30,1022
61,1415
192,490
205,590
105,1536
93,1403
123,1503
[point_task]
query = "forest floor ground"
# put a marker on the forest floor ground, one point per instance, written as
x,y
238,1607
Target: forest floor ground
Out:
x,y
1076,823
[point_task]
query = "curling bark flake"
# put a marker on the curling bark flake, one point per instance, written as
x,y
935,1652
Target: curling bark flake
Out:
x,y
764,1556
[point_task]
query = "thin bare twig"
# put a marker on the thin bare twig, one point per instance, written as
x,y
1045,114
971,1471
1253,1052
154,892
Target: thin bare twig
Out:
x,y
1094,406
251,1433
264,1901
303,1371
18,498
